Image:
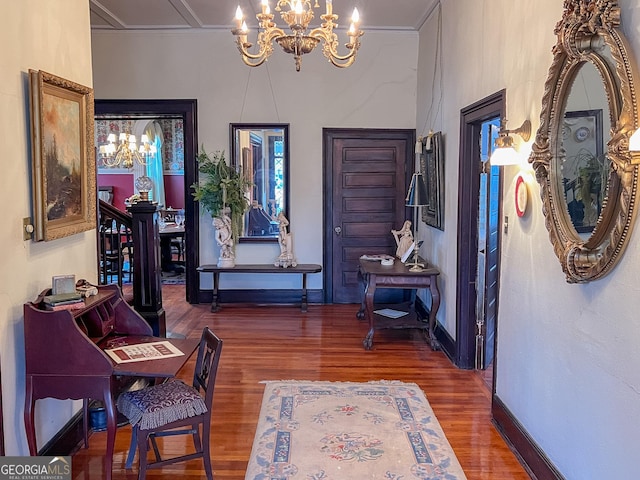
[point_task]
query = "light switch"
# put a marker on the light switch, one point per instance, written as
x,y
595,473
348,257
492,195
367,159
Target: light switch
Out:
x,y
27,229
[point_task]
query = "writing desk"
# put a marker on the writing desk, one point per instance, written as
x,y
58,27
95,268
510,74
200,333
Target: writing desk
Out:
x,y
65,358
373,274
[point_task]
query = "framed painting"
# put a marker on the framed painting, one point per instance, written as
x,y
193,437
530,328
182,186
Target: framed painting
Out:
x,y
63,157
432,164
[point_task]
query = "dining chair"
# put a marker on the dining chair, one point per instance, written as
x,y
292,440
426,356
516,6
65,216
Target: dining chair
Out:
x,y
174,408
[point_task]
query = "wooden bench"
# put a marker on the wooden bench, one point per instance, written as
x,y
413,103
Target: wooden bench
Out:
x,y
302,269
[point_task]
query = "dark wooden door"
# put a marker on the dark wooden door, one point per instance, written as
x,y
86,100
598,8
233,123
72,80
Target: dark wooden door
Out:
x,y
490,238
366,173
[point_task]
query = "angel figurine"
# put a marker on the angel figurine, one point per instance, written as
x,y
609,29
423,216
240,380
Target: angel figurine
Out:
x,y
404,241
285,259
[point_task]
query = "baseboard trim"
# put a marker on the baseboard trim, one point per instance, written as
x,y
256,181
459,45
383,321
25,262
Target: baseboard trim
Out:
x,y
68,440
528,452
447,344
261,297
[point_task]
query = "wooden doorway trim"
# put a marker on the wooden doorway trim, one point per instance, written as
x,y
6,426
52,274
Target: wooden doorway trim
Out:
x,y
469,167
187,109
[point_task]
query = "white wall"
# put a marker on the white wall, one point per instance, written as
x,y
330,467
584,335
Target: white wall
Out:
x,y
568,362
56,40
377,91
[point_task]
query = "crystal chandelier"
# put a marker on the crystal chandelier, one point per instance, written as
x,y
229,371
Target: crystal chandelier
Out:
x,y
298,42
125,151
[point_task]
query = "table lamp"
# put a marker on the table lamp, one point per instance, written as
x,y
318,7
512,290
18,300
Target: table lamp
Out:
x,y
416,198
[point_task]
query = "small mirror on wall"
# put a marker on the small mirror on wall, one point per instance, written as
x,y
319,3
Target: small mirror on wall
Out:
x,y
261,153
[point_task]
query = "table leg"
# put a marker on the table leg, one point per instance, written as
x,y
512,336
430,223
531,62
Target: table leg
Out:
x,y
111,431
435,304
304,304
362,279
214,302
368,296
29,404
85,421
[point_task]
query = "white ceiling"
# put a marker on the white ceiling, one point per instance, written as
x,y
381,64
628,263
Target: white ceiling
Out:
x,y
185,14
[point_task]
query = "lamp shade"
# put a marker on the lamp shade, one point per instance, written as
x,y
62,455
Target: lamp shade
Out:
x,y
504,156
417,193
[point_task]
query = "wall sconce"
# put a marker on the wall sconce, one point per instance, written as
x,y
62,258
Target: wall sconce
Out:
x,y
504,152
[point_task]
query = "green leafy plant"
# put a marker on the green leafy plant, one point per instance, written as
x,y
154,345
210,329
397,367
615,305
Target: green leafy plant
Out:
x,y
222,187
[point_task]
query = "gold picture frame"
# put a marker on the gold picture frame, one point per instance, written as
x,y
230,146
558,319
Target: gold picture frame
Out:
x,y
63,156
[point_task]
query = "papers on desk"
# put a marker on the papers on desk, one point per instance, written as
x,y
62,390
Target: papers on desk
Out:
x,y
376,257
391,313
143,351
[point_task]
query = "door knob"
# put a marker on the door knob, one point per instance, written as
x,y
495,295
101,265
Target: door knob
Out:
x,y
338,230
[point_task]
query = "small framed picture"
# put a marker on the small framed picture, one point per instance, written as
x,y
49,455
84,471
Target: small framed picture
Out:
x,y
63,284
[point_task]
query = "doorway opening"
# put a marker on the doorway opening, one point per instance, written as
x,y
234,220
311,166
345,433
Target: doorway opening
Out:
x,y
179,169
479,214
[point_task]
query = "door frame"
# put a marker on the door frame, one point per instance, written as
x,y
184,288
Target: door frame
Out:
x,y
188,110
469,167
328,136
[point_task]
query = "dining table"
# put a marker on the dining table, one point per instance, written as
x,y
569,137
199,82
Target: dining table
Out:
x,y
170,231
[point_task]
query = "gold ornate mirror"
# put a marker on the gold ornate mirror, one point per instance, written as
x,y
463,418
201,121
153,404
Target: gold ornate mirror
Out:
x,y
581,155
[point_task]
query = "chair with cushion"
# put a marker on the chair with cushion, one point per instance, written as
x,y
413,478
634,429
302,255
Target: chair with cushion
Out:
x,y
167,408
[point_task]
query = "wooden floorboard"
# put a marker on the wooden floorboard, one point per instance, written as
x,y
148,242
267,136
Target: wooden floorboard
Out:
x,y
281,343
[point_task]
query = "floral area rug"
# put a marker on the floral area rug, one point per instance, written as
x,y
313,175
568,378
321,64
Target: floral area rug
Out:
x,y
349,431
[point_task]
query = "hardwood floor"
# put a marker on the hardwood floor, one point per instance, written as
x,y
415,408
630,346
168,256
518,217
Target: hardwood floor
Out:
x,y
276,343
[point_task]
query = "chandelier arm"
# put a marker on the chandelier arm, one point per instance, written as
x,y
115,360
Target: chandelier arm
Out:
x,y
265,41
330,44
110,161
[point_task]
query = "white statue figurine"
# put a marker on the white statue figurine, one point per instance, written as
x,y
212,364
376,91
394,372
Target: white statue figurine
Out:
x,y
286,258
404,240
224,238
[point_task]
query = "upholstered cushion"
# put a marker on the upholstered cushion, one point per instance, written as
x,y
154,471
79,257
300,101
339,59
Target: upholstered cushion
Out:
x,y
158,405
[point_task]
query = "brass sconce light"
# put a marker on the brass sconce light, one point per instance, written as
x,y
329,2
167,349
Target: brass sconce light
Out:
x,y
505,153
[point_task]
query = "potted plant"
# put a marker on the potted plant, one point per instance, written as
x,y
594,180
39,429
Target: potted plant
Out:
x,y
222,194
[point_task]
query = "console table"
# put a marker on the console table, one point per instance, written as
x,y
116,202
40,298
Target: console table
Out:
x,y
373,274
302,269
65,357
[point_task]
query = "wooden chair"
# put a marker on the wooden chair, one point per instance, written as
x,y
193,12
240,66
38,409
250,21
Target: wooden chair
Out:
x,y
166,409
105,193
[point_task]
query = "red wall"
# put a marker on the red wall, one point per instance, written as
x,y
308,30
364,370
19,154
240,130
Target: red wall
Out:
x,y
174,191
123,188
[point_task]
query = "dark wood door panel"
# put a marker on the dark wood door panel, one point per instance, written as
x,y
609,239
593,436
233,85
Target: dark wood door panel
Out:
x,y
371,206
369,180
365,180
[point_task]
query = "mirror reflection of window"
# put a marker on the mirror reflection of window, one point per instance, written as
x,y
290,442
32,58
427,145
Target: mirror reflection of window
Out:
x,y
261,152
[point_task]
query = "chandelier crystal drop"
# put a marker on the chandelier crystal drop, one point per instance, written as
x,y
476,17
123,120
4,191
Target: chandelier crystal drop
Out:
x,y
123,152
298,41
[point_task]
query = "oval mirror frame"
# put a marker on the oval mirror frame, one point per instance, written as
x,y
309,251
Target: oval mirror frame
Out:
x,y
587,27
